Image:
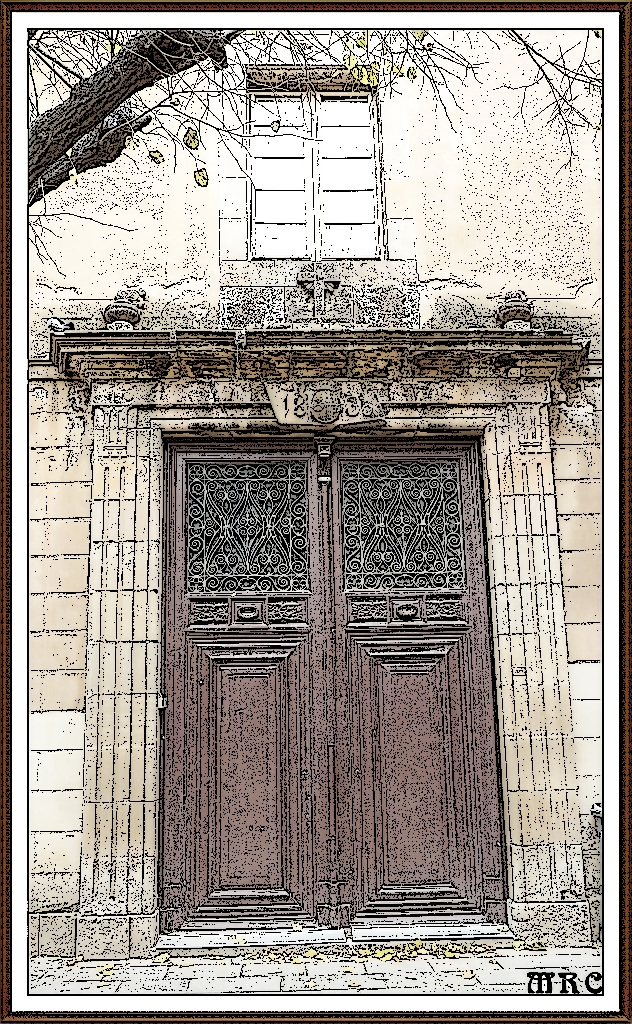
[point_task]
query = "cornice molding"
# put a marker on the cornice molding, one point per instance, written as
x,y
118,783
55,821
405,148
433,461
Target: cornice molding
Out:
x,y
274,355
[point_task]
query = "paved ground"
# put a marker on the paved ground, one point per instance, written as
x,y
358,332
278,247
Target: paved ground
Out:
x,y
413,968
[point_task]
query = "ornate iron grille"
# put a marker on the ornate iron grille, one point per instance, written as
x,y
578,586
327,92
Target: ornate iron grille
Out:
x,y
247,527
402,526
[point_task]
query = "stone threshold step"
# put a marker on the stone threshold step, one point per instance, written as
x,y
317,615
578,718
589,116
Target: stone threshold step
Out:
x,y
215,938
431,931
212,938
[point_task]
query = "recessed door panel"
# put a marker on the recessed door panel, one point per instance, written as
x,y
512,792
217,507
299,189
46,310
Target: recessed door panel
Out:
x,y
249,821
415,798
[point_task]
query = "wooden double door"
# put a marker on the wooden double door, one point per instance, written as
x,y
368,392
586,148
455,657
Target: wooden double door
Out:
x,y
329,738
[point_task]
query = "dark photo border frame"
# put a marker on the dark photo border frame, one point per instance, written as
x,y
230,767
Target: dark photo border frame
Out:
x,y
624,10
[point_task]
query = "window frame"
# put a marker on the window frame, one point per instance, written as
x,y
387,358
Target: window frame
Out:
x,y
315,96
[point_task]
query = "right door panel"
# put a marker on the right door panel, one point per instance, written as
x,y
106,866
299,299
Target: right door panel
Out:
x,y
417,766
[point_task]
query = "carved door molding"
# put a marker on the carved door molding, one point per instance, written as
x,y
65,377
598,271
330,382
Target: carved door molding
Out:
x,y
329,745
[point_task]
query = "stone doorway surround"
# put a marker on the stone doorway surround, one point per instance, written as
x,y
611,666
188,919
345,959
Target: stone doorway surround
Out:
x,y
495,386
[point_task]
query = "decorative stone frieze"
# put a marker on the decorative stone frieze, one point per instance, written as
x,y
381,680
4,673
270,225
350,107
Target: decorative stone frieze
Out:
x,y
279,354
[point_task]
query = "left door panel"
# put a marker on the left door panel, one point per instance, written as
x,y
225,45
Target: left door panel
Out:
x,y
243,619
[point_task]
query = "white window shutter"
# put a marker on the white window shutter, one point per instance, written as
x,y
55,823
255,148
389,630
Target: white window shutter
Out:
x,y
347,179
280,167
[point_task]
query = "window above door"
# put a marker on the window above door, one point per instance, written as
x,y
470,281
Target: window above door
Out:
x,y
314,175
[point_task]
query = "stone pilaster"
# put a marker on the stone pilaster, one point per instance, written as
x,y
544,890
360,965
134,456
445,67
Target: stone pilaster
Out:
x,y
118,908
547,900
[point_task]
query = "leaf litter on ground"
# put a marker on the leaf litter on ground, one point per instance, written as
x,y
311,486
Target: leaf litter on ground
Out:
x,y
391,952
395,952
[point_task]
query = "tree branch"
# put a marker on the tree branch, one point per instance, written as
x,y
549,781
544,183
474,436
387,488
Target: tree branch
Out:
x,y
97,148
151,57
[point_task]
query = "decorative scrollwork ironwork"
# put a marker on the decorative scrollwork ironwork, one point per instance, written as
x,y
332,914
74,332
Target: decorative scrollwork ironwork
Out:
x,y
247,527
402,526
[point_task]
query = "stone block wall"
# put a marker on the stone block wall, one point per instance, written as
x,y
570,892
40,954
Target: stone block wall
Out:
x,y
576,428
60,491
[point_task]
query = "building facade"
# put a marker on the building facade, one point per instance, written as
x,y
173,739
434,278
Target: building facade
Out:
x,y
314,551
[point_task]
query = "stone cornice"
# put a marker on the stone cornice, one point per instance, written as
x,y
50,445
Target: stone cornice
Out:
x,y
275,355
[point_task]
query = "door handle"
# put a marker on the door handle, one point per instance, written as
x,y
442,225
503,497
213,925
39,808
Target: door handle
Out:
x,y
407,611
247,611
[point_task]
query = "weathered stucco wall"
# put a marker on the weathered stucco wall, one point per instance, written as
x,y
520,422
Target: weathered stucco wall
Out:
x,y
485,205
